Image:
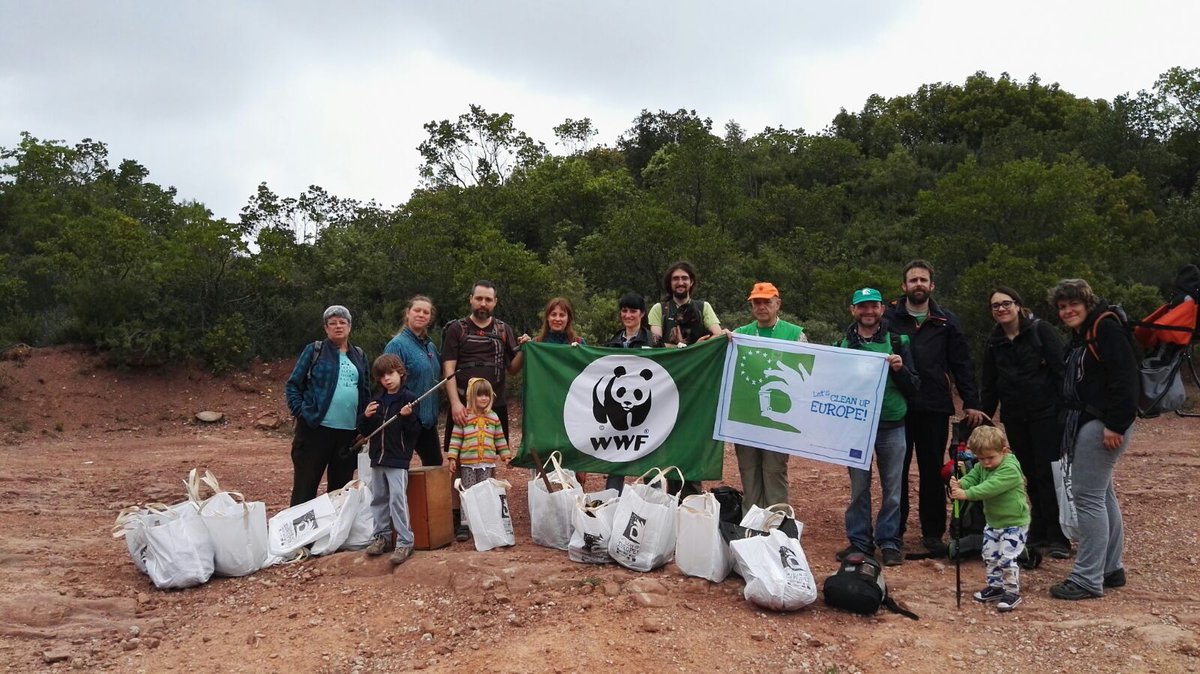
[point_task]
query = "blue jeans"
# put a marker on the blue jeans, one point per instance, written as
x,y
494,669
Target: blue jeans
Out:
x,y
1101,529
389,504
889,456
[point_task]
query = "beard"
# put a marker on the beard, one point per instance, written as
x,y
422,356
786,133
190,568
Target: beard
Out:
x,y
482,314
680,297
917,296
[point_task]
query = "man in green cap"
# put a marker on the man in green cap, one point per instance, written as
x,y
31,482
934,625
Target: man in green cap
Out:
x,y
869,332
764,472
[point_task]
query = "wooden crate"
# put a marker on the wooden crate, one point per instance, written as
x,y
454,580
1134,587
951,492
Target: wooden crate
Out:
x,y
429,507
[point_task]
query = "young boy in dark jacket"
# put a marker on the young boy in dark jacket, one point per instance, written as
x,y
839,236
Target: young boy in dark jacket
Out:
x,y
391,451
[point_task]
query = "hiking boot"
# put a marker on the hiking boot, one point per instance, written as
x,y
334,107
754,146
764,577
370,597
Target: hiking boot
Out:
x,y
400,556
1115,579
462,533
379,545
1008,602
853,549
892,557
1071,591
989,593
1057,550
935,545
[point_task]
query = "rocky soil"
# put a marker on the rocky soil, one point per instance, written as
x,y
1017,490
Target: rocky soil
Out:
x,y
79,441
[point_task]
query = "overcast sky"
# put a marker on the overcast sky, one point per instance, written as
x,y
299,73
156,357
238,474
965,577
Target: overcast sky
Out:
x,y
215,97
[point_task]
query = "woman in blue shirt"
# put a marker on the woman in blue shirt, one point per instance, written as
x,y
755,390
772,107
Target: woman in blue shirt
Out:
x,y
423,363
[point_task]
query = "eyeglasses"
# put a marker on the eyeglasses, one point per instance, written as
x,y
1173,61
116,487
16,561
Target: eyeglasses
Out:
x,y
1006,304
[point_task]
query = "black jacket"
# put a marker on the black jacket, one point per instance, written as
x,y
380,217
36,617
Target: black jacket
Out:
x,y
643,338
393,447
940,350
1023,375
1108,385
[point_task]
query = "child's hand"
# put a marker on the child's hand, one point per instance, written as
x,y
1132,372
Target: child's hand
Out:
x,y
956,492
371,408
406,410
453,464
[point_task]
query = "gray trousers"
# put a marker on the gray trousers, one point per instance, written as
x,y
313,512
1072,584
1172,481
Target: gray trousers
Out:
x,y
764,476
1101,530
389,504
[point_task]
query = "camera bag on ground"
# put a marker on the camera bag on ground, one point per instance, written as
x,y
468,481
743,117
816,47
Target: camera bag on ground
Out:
x,y
858,587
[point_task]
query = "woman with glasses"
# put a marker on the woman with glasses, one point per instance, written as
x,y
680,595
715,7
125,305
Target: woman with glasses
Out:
x,y
1022,374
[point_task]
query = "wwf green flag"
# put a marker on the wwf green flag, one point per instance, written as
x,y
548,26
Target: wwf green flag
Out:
x,y
624,411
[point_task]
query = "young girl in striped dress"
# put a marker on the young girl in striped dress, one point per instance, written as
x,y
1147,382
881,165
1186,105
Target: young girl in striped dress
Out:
x,y
477,445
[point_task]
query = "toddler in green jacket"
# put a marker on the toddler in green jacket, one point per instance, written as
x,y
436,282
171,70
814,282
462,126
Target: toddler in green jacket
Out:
x,y
997,481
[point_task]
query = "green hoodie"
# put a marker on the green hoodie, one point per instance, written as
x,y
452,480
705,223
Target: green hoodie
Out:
x,y
1002,491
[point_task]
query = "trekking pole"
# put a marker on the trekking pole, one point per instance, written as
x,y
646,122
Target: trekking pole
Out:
x,y
362,441
956,522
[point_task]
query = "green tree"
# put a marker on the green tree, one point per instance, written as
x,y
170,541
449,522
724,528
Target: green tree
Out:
x,y
479,148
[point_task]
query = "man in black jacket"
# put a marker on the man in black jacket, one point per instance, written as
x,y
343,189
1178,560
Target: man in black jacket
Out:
x,y
940,351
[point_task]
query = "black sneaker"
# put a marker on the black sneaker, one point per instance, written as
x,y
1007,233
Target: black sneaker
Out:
x,y
1071,591
852,549
1115,579
1057,550
892,557
989,593
462,533
1008,602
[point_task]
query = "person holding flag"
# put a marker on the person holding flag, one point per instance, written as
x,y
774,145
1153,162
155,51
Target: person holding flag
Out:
x,y
764,472
870,332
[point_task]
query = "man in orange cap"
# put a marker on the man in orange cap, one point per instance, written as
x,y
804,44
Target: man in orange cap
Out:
x,y
764,472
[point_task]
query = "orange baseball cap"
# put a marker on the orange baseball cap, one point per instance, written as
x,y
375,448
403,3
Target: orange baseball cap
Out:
x,y
763,291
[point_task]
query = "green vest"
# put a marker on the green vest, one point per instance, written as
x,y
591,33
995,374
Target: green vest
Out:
x,y
782,330
894,405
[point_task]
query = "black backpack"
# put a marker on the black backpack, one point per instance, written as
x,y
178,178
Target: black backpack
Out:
x,y
858,587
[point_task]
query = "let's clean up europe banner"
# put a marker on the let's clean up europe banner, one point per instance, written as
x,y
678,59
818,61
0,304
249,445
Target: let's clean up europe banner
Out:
x,y
819,402
624,411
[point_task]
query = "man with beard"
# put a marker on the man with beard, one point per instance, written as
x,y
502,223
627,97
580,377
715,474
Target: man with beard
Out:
x,y
764,472
940,351
479,345
869,332
680,320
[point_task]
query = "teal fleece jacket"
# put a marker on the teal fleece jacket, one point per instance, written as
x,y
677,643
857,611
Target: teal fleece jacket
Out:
x,y
1002,491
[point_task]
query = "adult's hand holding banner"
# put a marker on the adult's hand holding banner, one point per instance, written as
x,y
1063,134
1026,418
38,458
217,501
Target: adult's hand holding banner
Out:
x,y
819,402
624,411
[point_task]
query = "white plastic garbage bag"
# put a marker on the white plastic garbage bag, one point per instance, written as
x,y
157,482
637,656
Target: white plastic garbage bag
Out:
x,y
700,549
297,526
591,527
485,507
238,530
1068,518
776,571
349,504
179,551
550,509
644,526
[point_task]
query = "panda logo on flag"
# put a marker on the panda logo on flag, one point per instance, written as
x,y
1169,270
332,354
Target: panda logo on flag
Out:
x,y
620,408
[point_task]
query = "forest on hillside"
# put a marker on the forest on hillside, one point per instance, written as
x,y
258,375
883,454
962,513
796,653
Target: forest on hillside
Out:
x,y
993,180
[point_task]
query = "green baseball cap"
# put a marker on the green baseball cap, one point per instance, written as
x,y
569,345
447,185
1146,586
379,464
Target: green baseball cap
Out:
x,y
866,295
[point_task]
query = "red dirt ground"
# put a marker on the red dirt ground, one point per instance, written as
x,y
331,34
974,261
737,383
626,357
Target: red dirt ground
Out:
x,y
79,441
